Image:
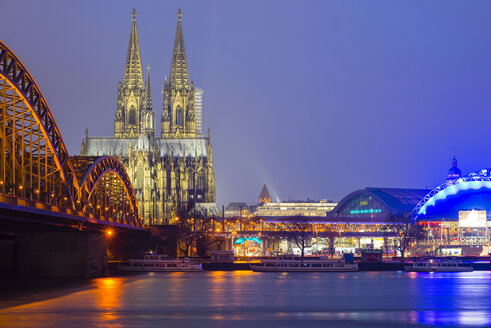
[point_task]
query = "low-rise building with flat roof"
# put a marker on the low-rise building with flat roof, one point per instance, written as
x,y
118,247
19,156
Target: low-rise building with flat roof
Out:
x,y
295,208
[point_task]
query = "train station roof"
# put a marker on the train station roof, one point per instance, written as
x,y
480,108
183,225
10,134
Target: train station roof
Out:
x,y
377,203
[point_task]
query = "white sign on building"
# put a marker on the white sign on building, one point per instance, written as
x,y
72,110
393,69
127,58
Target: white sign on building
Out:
x,y
472,219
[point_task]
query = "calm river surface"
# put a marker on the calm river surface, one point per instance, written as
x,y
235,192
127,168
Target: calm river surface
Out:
x,y
248,299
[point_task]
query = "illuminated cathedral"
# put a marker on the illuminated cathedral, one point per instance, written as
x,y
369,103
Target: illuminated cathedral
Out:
x,y
169,172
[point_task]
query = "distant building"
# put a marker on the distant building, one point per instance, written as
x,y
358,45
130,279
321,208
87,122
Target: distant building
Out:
x,y
237,209
295,208
264,197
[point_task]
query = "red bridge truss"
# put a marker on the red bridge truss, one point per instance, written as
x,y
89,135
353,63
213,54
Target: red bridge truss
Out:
x,y
34,162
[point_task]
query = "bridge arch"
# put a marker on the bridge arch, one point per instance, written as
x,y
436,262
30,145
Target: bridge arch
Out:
x,y
34,162
33,156
106,188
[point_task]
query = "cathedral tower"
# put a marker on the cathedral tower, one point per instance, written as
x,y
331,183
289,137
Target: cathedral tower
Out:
x,y
168,173
132,113
178,116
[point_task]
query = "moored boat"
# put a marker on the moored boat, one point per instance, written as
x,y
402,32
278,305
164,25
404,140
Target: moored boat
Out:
x,y
160,263
294,264
437,265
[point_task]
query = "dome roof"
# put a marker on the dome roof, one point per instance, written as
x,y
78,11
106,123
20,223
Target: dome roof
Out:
x,y
454,172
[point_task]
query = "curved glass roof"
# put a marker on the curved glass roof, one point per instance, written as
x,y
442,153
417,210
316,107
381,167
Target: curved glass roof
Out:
x,y
399,199
389,201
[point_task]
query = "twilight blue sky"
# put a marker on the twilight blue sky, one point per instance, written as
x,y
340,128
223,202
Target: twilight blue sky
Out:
x,y
314,98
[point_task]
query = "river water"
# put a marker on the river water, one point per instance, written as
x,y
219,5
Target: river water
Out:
x,y
248,299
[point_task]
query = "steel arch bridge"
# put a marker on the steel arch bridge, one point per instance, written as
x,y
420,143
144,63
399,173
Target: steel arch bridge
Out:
x,y
34,162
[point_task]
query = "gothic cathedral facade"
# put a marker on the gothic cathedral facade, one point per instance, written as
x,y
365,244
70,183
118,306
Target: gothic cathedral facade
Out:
x,y
169,172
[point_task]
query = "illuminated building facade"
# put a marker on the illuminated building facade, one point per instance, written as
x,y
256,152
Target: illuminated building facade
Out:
x,y
295,208
457,215
174,170
237,209
369,213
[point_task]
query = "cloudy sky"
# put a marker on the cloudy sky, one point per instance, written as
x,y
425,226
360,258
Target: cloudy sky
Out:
x,y
314,98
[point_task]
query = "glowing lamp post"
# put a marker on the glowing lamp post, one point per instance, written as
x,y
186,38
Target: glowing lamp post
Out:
x,y
109,233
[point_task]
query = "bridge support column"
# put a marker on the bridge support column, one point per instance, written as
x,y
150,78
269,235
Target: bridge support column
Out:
x,y
60,254
331,245
386,246
264,246
229,244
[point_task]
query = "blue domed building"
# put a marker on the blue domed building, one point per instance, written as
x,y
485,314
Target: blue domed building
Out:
x,y
457,213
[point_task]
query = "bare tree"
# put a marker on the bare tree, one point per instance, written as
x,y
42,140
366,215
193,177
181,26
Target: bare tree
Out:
x,y
165,239
406,231
299,231
187,226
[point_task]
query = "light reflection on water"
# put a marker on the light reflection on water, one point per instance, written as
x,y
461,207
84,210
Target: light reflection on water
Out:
x,y
244,298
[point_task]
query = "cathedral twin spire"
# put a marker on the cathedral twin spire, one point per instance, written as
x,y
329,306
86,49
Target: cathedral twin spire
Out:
x,y
179,76
135,111
179,112
133,74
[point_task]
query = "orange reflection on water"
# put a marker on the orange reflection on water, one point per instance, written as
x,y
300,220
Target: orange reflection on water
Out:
x,y
218,291
108,294
103,299
218,274
243,273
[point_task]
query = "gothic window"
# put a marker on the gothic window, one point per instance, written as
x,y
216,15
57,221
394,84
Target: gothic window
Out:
x,y
201,181
178,184
149,121
140,178
132,115
190,180
168,180
179,115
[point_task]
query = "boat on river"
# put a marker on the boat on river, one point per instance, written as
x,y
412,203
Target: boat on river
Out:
x,y
295,264
437,265
161,263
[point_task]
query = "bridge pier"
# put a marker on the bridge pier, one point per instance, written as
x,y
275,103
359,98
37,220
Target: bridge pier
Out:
x,y
229,244
60,254
331,245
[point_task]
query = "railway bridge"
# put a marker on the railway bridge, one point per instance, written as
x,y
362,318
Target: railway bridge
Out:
x,y
52,203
